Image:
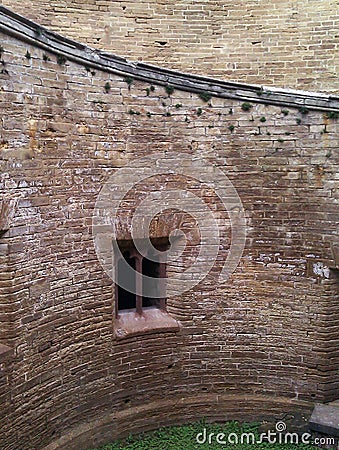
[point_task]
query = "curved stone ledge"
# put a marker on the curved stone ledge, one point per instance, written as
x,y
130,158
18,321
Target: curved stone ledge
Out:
x,y
178,410
30,32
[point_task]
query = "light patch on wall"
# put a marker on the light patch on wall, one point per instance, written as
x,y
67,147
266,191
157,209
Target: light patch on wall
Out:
x,y
321,270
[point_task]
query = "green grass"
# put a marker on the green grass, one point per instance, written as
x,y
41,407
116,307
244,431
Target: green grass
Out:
x,y
185,438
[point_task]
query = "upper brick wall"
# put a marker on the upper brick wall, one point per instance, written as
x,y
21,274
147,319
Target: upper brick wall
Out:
x,y
282,42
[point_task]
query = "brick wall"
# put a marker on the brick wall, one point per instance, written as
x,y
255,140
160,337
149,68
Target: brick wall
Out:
x,y
283,42
254,346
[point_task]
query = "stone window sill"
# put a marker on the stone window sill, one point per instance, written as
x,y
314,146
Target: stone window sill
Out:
x,y
152,320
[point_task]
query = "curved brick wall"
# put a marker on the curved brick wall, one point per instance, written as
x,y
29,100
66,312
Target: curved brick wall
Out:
x,y
260,345
282,42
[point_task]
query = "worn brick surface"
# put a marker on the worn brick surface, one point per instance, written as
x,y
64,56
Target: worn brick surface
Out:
x,y
262,344
280,42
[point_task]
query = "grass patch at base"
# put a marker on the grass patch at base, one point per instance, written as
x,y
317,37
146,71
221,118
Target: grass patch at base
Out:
x,y
235,436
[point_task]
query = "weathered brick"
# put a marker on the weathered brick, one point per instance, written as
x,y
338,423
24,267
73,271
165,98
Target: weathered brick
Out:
x,y
249,347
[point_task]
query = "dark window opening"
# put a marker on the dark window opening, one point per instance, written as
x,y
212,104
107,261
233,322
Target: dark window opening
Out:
x,y
126,299
134,292
150,288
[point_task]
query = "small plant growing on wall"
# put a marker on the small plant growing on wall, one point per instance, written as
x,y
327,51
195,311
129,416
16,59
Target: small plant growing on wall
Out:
x,y
28,55
128,80
61,60
169,89
298,121
199,111
107,87
45,57
231,128
178,105
285,112
262,119
205,96
88,70
303,110
246,106
332,115
3,71
148,91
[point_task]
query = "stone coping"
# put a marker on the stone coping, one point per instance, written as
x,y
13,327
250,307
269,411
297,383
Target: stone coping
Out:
x,y
32,33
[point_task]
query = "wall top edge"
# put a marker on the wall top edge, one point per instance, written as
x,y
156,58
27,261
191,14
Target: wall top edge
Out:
x,y
30,32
